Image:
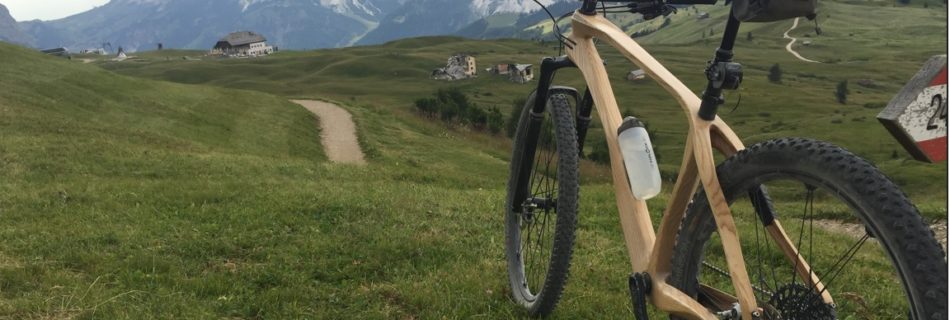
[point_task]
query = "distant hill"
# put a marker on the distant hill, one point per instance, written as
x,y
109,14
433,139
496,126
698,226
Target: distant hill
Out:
x,y
842,21
9,29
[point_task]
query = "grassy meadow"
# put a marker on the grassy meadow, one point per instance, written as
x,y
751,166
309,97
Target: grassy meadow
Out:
x,y
393,75
169,188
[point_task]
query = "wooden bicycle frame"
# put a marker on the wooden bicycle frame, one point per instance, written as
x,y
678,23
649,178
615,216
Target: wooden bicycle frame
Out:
x,y
648,251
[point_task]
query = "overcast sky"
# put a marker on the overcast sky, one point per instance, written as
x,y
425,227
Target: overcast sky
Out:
x,y
22,10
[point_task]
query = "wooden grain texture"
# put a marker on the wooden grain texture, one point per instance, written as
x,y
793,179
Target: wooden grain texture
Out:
x,y
646,252
634,214
687,182
724,139
601,28
706,165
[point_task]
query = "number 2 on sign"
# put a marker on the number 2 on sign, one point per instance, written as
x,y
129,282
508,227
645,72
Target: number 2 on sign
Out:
x,y
940,112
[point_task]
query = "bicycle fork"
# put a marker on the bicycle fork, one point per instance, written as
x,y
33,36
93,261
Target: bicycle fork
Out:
x,y
542,94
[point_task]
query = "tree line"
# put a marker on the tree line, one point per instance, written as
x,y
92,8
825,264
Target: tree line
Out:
x,y
453,107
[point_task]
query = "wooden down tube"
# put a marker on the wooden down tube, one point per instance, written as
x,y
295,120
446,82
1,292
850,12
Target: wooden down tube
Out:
x,y
646,252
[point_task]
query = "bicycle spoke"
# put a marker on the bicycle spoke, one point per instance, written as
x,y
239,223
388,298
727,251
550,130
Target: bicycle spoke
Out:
x,y
526,248
759,257
817,264
542,244
542,194
539,260
843,260
767,280
537,162
809,197
547,169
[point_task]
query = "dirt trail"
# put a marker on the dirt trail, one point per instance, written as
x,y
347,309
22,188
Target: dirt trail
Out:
x,y
857,230
338,132
789,46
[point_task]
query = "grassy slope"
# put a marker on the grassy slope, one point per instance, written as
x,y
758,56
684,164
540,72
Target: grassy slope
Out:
x,y
115,187
129,198
395,74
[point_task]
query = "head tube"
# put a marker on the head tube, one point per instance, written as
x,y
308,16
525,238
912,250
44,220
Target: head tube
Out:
x,y
589,7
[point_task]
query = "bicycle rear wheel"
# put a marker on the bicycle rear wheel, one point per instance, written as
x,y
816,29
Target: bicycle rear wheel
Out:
x,y
874,256
541,208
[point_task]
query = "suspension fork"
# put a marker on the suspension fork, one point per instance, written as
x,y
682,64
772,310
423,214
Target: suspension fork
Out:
x,y
582,121
549,67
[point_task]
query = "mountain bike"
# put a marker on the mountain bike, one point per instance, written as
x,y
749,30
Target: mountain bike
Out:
x,y
741,240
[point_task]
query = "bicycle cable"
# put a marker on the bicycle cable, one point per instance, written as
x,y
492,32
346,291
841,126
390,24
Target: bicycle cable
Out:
x,y
737,102
562,40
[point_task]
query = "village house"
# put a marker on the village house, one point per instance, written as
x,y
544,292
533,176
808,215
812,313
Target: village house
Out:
x,y
469,63
458,67
520,73
499,69
244,43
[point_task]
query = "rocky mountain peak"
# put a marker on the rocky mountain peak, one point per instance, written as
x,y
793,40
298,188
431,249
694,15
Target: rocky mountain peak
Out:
x,y
10,31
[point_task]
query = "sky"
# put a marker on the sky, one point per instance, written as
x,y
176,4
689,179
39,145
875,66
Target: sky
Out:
x,y
23,10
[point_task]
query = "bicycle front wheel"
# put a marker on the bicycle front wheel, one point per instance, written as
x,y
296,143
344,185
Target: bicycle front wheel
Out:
x,y
541,208
855,232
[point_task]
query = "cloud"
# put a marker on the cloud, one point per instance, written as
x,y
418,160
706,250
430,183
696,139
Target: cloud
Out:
x,y
23,10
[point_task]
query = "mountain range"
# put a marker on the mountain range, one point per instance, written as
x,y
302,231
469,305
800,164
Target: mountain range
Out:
x,y
291,24
9,29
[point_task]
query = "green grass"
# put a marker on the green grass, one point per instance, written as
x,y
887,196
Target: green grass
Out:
x,y
394,75
129,198
211,197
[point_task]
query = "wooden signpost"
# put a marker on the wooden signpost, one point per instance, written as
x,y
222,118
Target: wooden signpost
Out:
x,y
917,116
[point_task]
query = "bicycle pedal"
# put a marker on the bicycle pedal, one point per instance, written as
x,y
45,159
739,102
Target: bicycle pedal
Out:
x,y
639,289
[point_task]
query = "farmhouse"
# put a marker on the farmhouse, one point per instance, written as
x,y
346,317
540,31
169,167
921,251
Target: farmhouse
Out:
x,y
520,73
467,62
500,69
458,67
244,43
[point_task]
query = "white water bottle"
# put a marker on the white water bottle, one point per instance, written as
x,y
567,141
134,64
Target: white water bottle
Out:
x,y
643,172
